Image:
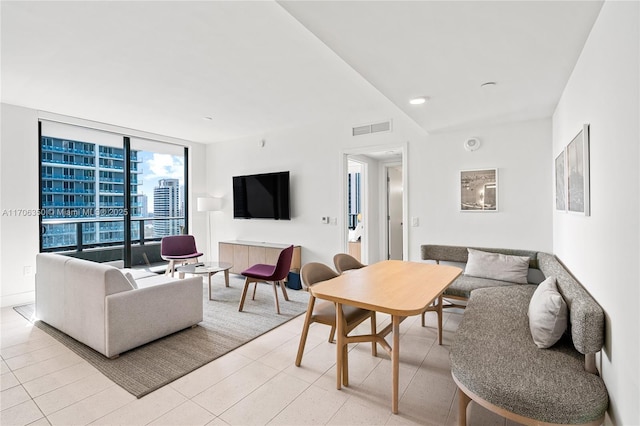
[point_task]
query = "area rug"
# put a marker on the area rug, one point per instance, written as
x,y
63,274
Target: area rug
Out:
x,y
151,366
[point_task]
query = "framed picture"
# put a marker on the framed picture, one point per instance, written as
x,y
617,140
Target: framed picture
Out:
x,y
577,153
561,182
479,190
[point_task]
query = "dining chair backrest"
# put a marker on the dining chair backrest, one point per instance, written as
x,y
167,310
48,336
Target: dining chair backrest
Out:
x,y
345,262
315,272
283,266
178,245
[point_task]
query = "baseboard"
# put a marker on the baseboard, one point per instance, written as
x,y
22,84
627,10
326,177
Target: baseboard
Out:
x,y
17,299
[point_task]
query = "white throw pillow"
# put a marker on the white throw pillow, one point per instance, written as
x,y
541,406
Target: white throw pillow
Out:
x,y
548,314
129,278
497,266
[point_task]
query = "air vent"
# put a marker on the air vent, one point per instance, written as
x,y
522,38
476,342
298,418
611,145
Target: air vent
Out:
x,y
384,126
362,130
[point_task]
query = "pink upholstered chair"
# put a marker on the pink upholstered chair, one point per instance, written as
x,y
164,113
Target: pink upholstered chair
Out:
x,y
178,250
268,273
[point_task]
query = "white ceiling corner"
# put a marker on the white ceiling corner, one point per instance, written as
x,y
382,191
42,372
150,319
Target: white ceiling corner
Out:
x,y
255,67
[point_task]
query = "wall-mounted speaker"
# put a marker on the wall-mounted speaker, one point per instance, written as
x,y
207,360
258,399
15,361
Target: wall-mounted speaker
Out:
x,y
472,144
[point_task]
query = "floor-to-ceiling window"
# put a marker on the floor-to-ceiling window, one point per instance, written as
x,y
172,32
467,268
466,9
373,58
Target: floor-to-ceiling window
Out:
x,y
95,183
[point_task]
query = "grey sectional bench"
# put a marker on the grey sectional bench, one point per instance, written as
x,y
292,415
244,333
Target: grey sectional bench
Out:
x,y
458,255
495,362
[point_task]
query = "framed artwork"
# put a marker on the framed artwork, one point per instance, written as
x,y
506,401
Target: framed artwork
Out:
x,y
479,190
577,170
561,182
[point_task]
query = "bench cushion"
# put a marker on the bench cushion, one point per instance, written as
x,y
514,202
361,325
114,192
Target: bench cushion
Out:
x,y
463,285
502,364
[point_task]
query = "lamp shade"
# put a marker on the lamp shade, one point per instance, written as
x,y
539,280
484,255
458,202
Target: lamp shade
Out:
x,y
209,204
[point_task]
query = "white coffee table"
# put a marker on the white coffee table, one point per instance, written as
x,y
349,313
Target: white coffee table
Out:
x,y
208,268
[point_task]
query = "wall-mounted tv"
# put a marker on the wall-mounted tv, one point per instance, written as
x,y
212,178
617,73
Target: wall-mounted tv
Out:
x,y
262,196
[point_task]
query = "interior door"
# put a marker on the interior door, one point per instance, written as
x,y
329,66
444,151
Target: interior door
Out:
x,y
394,212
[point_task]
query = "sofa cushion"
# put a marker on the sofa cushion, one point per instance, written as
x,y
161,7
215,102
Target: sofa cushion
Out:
x,y
139,273
497,266
547,314
131,280
464,284
155,280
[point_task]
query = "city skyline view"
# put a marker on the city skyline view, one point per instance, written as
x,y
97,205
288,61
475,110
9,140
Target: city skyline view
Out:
x,y
83,194
155,167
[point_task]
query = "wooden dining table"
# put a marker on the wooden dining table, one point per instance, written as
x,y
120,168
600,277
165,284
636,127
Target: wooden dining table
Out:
x,y
395,287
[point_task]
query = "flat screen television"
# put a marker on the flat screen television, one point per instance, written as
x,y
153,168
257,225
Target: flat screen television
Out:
x,y
262,196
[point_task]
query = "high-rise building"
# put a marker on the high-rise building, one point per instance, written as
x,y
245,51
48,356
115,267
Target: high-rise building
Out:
x,y
83,193
166,204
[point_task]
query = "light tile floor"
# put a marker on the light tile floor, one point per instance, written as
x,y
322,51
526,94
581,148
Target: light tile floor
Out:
x,y
43,382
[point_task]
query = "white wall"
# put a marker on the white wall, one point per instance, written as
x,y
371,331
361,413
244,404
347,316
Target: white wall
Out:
x,y
20,234
520,152
19,169
313,155
603,250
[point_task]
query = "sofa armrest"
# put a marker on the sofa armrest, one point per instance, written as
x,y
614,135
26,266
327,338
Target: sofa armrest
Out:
x,y
136,317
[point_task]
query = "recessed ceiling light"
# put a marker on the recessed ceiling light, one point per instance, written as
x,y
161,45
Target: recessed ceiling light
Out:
x,y
418,101
488,84
207,118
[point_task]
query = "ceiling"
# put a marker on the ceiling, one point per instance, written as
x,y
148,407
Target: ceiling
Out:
x,y
256,67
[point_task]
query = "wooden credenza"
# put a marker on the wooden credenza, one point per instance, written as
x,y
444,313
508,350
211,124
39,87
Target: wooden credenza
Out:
x,y
355,250
243,254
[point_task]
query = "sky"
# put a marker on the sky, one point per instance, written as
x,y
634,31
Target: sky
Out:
x,y
158,166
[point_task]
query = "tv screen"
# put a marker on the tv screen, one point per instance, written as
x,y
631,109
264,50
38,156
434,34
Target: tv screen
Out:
x,y
263,196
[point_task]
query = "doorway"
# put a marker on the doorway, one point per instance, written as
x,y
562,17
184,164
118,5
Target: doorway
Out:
x,y
394,211
383,203
356,193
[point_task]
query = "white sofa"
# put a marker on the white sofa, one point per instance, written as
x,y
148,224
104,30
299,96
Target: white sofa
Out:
x,y
99,306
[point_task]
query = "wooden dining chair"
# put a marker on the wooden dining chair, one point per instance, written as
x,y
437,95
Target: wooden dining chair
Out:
x,y
345,262
324,312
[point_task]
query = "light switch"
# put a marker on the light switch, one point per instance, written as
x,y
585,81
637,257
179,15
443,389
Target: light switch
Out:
x,y
415,221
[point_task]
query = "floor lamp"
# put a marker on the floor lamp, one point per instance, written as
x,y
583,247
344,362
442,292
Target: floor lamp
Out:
x,y
209,204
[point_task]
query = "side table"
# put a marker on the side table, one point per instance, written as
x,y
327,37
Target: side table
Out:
x,y
208,268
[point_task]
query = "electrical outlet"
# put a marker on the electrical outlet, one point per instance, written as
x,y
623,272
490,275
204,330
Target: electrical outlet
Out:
x,y
27,270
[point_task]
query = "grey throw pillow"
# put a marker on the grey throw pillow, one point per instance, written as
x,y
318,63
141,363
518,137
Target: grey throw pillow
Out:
x,y
548,314
497,266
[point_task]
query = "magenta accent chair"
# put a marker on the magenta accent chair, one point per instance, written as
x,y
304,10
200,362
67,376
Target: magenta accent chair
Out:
x,y
268,273
178,250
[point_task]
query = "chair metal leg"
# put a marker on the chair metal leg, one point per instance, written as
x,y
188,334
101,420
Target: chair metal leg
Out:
x,y
244,294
